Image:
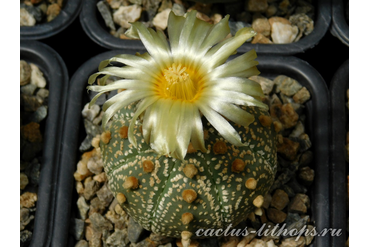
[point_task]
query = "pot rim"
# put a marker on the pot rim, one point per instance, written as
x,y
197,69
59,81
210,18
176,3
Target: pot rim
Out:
x,y
56,75
66,16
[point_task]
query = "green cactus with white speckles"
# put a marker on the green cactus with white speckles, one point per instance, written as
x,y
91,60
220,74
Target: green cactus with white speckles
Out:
x,y
191,145
227,182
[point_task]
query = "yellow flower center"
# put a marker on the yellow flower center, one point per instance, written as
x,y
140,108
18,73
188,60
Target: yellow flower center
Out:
x,y
178,83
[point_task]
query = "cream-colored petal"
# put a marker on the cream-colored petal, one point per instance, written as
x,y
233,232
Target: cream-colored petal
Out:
x,y
218,55
166,142
185,41
134,61
177,141
248,72
148,123
154,45
217,33
120,100
159,119
233,113
221,125
132,33
169,125
192,54
237,84
184,128
124,84
127,72
198,35
103,80
197,135
175,24
233,97
95,98
238,64
121,84
163,54
141,107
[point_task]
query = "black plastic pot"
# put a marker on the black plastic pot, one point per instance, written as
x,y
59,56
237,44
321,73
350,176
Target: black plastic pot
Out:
x,y
318,129
66,16
270,66
74,134
56,75
95,28
322,23
339,26
339,165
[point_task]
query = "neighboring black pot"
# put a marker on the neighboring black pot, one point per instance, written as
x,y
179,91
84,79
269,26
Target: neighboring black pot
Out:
x,y
339,26
95,28
321,25
270,66
317,123
66,16
56,75
339,165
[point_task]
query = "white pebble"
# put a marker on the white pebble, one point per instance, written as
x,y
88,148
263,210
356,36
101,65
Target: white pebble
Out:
x,y
126,14
283,33
37,77
161,19
90,112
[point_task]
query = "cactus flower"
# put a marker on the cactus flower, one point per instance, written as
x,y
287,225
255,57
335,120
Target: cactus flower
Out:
x,y
177,83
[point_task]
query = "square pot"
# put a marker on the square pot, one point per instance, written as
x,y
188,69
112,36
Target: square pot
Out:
x,y
270,67
339,165
95,28
56,75
69,12
339,26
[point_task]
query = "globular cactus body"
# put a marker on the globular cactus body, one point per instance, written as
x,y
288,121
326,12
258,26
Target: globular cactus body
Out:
x,y
205,190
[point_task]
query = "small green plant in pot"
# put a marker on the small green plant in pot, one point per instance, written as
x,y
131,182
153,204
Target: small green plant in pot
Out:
x,y
191,145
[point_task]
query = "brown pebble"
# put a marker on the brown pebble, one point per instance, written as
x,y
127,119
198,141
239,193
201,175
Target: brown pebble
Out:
x,y
95,141
258,201
52,11
105,137
28,199
31,132
121,198
280,199
25,73
288,149
277,126
276,215
299,204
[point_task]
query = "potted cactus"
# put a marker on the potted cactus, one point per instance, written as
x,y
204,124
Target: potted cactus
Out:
x,y
176,175
178,186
